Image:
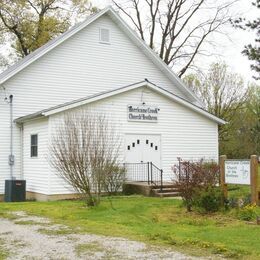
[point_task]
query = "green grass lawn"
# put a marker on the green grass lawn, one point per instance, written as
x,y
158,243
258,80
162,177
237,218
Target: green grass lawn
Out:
x,y
153,220
238,191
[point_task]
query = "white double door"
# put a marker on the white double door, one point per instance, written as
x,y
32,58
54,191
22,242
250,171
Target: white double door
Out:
x,y
141,148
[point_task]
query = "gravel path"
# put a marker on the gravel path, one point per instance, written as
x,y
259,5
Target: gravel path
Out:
x,y
30,237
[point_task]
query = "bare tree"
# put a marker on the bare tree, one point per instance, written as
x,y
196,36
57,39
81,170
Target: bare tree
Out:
x,y
176,29
84,151
222,92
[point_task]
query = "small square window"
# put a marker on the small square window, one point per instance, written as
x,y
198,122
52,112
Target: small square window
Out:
x,y
147,141
151,144
128,147
156,148
138,141
133,144
34,145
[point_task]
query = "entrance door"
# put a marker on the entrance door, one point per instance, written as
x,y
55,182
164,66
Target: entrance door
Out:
x,y
143,148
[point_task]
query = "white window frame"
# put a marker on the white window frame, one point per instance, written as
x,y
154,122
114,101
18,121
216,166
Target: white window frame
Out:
x,y
100,38
34,145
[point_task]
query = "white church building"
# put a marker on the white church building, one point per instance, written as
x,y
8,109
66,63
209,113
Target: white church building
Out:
x,y
100,64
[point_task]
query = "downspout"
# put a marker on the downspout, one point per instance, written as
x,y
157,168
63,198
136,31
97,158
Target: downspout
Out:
x,y
21,153
11,156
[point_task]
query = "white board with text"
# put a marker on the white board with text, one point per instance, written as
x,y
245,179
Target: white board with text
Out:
x,y
237,172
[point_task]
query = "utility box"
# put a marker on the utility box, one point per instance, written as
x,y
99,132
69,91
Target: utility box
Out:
x,y
15,190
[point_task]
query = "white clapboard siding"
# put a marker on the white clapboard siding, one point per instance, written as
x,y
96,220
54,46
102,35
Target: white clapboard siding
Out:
x,y
36,169
79,67
5,144
184,133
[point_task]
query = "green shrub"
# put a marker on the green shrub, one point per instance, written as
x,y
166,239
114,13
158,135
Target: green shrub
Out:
x,y
247,213
208,200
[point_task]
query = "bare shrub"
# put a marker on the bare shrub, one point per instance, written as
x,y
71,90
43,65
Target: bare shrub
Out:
x,y
84,151
193,178
113,179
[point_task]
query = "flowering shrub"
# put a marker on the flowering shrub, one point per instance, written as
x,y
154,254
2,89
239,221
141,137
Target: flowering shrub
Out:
x,y
247,213
193,179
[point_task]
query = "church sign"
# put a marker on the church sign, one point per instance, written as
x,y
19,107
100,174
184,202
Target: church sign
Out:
x,y
142,113
237,171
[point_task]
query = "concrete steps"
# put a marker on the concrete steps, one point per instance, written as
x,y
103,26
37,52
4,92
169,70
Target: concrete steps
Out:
x,y
165,190
167,194
168,190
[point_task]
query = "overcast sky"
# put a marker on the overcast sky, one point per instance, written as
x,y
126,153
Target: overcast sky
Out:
x,y
228,48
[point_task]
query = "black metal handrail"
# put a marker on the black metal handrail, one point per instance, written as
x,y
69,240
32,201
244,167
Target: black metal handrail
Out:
x,y
144,172
156,176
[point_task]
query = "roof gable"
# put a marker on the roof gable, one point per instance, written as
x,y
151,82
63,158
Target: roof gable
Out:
x,y
20,65
129,32
103,95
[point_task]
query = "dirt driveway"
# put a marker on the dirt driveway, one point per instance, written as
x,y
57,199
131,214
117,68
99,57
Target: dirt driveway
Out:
x,y
30,237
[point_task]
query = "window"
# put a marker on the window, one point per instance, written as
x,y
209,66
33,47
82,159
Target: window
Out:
x,y
104,35
34,145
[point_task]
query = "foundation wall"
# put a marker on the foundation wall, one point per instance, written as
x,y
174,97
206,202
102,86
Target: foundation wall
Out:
x,y
137,188
44,197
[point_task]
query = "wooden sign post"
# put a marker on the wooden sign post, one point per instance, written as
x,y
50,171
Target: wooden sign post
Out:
x,y
222,177
239,172
254,181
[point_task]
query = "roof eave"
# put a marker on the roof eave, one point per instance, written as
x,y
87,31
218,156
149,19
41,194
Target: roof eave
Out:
x,y
25,119
181,101
189,105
